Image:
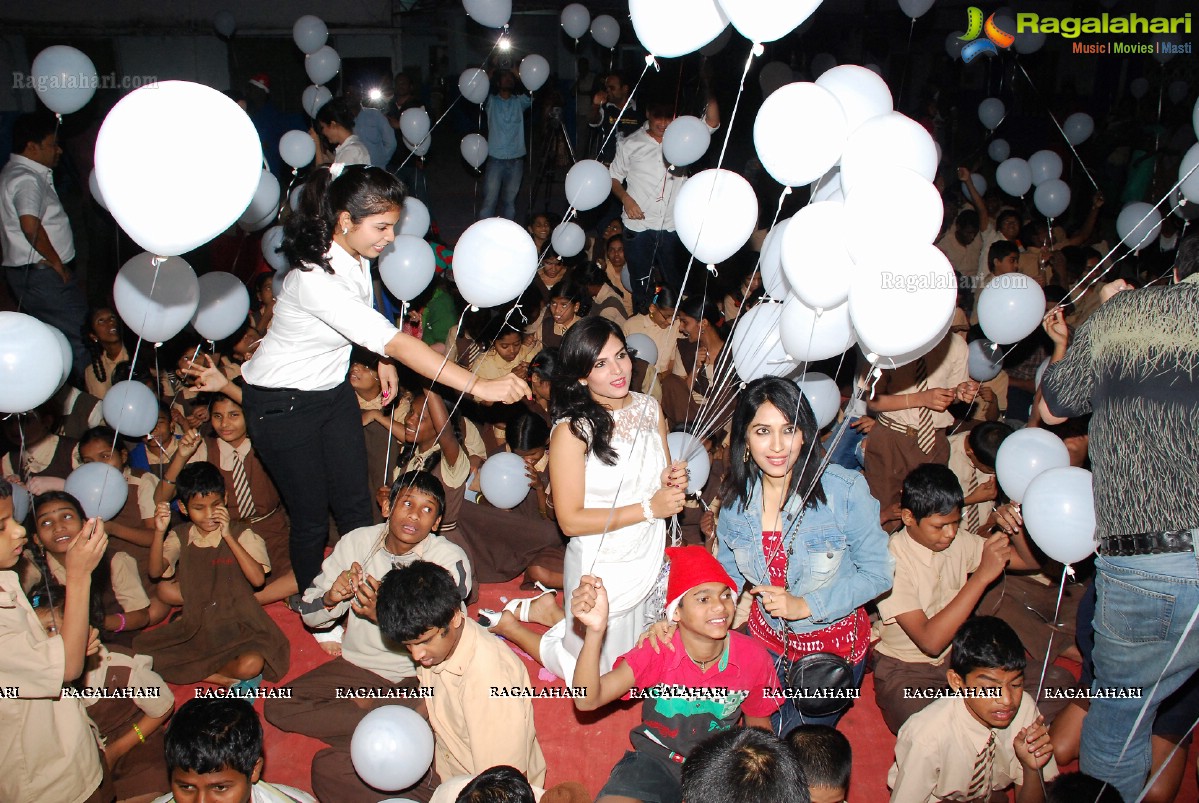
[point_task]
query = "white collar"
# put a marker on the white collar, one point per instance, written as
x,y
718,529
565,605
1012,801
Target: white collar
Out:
x,y
37,167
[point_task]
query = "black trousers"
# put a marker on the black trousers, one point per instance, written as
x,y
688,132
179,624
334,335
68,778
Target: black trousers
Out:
x,y
312,445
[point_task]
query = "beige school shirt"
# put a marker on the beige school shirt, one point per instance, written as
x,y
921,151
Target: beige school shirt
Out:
x,y
491,366
156,703
124,575
947,368
925,581
665,339
473,729
938,748
965,470
172,546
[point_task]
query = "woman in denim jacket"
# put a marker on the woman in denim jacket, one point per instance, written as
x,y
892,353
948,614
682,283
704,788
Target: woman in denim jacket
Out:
x,y
810,567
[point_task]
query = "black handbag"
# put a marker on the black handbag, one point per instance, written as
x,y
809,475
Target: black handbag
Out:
x,y
821,684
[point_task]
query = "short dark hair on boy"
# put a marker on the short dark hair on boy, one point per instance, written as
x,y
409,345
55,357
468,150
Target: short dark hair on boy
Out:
x,y
416,598
931,490
209,735
32,127
744,765
824,753
5,490
197,479
986,642
421,481
502,784
100,433
1001,249
985,440
1073,786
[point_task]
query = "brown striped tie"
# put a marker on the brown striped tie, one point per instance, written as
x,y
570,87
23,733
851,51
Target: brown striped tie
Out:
x,y
241,489
926,434
972,509
980,781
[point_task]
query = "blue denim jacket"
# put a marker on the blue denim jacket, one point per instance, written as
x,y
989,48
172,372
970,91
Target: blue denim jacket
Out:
x,y
839,559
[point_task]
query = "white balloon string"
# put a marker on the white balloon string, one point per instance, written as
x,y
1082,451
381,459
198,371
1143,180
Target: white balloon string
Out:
x,y
903,78
649,61
1061,130
1165,764
754,51
1057,609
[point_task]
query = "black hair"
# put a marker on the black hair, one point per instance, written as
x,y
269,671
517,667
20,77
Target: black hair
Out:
x,y
5,489
742,475
574,292
824,753
101,575
701,309
337,111
1001,249
527,431
198,479
502,784
986,642
256,285
126,370
421,481
985,440
589,422
967,218
100,433
57,496
365,357
32,128
1004,215
658,110
213,734
931,489
415,599
1070,787
744,765
1186,259
360,191
94,349
665,297
615,238
544,364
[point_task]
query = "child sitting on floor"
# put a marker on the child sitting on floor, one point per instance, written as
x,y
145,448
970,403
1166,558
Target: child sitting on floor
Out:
x,y
826,758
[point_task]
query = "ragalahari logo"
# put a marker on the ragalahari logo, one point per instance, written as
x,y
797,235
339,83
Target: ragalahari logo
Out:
x,y
996,38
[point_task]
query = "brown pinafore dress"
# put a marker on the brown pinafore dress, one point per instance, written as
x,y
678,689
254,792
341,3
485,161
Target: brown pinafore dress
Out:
x,y
268,519
143,769
131,516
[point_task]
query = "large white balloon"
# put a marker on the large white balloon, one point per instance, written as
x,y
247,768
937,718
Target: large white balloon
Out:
x,y
1014,176
685,446
714,214
415,219
1045,166
757,344
474,150
224,305
309,33
991,113
568,239
808,336
66,351
901,300
130,408
575,20
1010,308
93,187
915,8
605,30
474,85
265,200
770,266
534,71
100,489
21,502
815,260
985,360
490,13
272,239
863,95
322,65
494,261
297,148
901,207
156,170
1078,127
1023,455
407,266
799,133
890,140
642,347
767,20
30,362
415,124
1138,225
823,395
420,147
999,150
503,480
156,303
64,78
1052,197
392,747
313,98
671,28
1059,513
588,184
686,140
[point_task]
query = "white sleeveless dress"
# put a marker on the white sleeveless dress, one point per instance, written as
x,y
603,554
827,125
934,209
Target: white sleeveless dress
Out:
x,y
629,559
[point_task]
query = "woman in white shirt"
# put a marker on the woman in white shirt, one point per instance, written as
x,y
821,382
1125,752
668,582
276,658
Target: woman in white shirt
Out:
x,y
336,124
301,412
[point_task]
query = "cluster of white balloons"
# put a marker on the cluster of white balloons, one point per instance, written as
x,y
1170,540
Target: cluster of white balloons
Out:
x,y
321,61
576,21
671,28
1188,170
1043,169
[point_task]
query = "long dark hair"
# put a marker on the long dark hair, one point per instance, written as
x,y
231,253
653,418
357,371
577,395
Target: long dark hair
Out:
x,y
703,310
589,422
743,474
360,191
573,292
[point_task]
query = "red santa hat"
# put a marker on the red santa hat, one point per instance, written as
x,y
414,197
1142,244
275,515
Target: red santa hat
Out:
x,y
691,566
262,81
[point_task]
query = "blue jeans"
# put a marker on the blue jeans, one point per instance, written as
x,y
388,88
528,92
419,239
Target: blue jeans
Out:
x,y
788,718
848,452
501,183
1144,604
41,292
645,249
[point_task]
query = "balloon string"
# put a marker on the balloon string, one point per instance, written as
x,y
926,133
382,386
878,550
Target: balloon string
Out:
x,y
755,50
1052,632
903,79
1165,764
649,62
1061,130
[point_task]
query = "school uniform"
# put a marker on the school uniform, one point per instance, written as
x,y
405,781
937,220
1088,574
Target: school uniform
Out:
x,y
91,379
139,506
665,339
681,399
609,304
124,593
78,411
970,477
382,448
52,456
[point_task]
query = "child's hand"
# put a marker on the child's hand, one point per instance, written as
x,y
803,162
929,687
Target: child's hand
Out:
x,y
988,489
1008,518
162,517
534,478
1032,745
1054,325
93,641
935,399
996,554
660,634
365,597
86,550
343,587
707,523
221,514
189,444
207,377
589,603
781,604
966,391
41,484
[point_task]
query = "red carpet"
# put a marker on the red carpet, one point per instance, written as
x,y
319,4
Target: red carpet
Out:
x,y
584,747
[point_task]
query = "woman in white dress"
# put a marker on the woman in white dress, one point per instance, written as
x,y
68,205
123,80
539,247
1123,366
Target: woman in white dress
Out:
x,y
611,489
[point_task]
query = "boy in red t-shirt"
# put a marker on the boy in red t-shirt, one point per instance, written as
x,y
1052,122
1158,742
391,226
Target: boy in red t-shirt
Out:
x,y
704,684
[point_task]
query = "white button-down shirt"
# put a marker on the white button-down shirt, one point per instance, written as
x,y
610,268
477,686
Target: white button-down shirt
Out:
x,y
318,317
27,188
640,165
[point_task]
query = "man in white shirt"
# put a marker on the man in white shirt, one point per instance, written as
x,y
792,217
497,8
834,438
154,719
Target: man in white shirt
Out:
x,y
36,239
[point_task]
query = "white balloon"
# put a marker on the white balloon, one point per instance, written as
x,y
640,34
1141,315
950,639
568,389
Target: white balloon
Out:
x,y
1010,308
588,184
901,207
991,113
568,239
313,98
799,133
767,20
534,71
415,220
828,187
156,303
224,305
575,20
297,148
474,85
64,78
809,336
863,95
1023,455
224,23
494,261
1195,118
715,213
890,140
915,8
999,150
474,150
757,344
503,480
392,747
1078,127
671,28
265,200
155,167
130,408
1059,513
770,266
272,239
1041,369
722,39
901,300
1052,197
261,223
419,148
980,184
407,266
686,140
1138,225
100,489
322,65
823,395
642,347
1014,176
489,13
309,33
685,446
415,124
31,364
66,351
93,186
985,360
21,503
605,30
815,260
1137,87
1045,166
